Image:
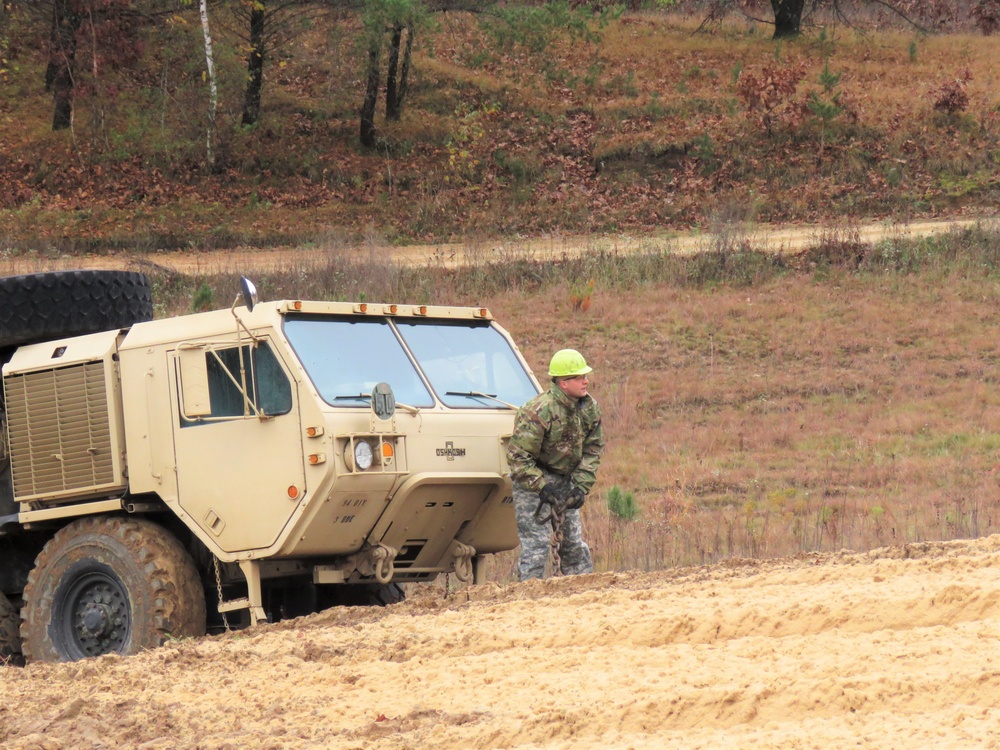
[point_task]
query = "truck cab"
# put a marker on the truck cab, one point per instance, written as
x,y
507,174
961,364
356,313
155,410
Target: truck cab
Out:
x,y
298,451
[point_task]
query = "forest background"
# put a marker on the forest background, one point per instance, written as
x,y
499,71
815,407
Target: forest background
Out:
x,y
757,402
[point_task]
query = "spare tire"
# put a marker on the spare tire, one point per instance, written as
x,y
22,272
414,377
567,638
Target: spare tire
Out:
x,y
54,305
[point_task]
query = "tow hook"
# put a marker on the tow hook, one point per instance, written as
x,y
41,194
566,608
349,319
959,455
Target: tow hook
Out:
x,y
382,558
463,561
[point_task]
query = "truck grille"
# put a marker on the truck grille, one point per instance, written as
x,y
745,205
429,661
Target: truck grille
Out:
x,y
58,427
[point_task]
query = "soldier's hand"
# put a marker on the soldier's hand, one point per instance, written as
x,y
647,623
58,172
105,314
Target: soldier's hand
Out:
x,y
551,501
552,494
576,497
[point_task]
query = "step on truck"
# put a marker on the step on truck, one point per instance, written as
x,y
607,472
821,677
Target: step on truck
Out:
x,y
165,478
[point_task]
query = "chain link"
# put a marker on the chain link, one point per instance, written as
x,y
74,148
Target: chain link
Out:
x,y
556,519
218,588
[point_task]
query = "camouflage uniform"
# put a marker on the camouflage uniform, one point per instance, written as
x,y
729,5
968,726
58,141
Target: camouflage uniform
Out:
x,y
555,437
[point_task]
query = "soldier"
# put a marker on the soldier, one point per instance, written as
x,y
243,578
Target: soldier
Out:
x,y
554,453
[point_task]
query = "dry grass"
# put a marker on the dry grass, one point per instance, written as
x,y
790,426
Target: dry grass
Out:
x,y
788,417
818,406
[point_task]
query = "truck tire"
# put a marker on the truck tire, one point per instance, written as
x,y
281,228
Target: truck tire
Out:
x,y
110,585
54,305
382,595
361,595
10,632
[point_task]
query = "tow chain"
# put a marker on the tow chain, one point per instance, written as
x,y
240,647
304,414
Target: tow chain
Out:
x,y
556,519
218,588
552,514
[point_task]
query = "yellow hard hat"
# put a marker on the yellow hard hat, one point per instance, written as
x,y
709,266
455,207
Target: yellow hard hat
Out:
x,y
568,363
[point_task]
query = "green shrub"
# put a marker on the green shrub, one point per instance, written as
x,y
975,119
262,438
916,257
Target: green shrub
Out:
x,y
622,504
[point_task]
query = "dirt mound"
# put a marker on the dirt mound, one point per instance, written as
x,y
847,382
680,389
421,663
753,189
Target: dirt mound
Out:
x,y
894,648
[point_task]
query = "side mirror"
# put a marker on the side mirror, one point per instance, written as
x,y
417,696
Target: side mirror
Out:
x,y
383,401
249,293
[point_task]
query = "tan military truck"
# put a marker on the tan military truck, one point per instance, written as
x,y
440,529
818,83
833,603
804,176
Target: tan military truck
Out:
x,y
164,477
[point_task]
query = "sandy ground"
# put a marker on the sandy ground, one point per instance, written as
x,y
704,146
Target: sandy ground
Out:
x,y
251,260
892,649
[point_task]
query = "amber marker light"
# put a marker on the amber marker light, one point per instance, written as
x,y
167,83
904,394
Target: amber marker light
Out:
x,y
314,431
293,491
361,307
317,458
422,310
387,450
297,305
391,309
482,312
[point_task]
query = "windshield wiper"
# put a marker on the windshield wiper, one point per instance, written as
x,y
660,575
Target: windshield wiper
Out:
x,y
368,397
477,394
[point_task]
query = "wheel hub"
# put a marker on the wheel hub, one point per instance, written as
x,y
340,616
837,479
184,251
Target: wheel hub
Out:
x,y
96,620
96,616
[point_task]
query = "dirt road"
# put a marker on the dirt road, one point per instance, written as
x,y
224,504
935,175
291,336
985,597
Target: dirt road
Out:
x,y
895,648
250,260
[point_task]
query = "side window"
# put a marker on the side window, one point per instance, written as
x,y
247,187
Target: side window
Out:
x,y
242,381
225,392
274,392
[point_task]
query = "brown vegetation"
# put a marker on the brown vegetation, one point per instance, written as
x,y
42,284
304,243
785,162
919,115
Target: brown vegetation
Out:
x,y
652,127
821,409
757,404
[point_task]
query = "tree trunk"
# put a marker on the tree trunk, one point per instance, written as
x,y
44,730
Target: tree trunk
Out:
x,y
395,92
787,17
59,72
391,96
255,65
371,93
213,87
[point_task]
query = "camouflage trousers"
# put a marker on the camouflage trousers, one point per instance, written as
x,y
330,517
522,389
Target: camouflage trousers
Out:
x,y
536,538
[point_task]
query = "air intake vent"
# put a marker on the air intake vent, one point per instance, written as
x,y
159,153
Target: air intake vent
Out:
x,y
61,441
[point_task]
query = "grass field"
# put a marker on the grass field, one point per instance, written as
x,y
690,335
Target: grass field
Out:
x,y
811,411
756,405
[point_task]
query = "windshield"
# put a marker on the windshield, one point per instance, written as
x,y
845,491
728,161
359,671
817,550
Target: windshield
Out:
x,y
346,358
469,364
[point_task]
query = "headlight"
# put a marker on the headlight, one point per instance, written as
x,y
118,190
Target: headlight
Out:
x,y
362,455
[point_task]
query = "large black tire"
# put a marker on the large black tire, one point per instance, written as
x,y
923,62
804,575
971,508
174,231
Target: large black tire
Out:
x,y
110,585
44,306
10,632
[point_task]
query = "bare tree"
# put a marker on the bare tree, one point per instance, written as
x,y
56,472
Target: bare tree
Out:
x,y
266,25
387,22
62,60
397,75
213,86
789,16
105,33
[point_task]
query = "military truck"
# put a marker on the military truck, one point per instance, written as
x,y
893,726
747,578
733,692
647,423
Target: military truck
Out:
x,y
164,478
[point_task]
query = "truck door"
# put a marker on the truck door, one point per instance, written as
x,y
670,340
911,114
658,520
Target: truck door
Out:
x,y
237,441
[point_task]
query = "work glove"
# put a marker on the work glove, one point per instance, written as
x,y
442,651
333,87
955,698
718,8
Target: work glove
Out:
x,y
554,494
575,498
551,501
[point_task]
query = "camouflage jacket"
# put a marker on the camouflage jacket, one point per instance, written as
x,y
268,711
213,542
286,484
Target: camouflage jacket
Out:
x,y
557,433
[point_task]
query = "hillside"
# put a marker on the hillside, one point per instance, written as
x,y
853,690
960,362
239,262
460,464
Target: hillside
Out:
x,y
645,127
896,648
